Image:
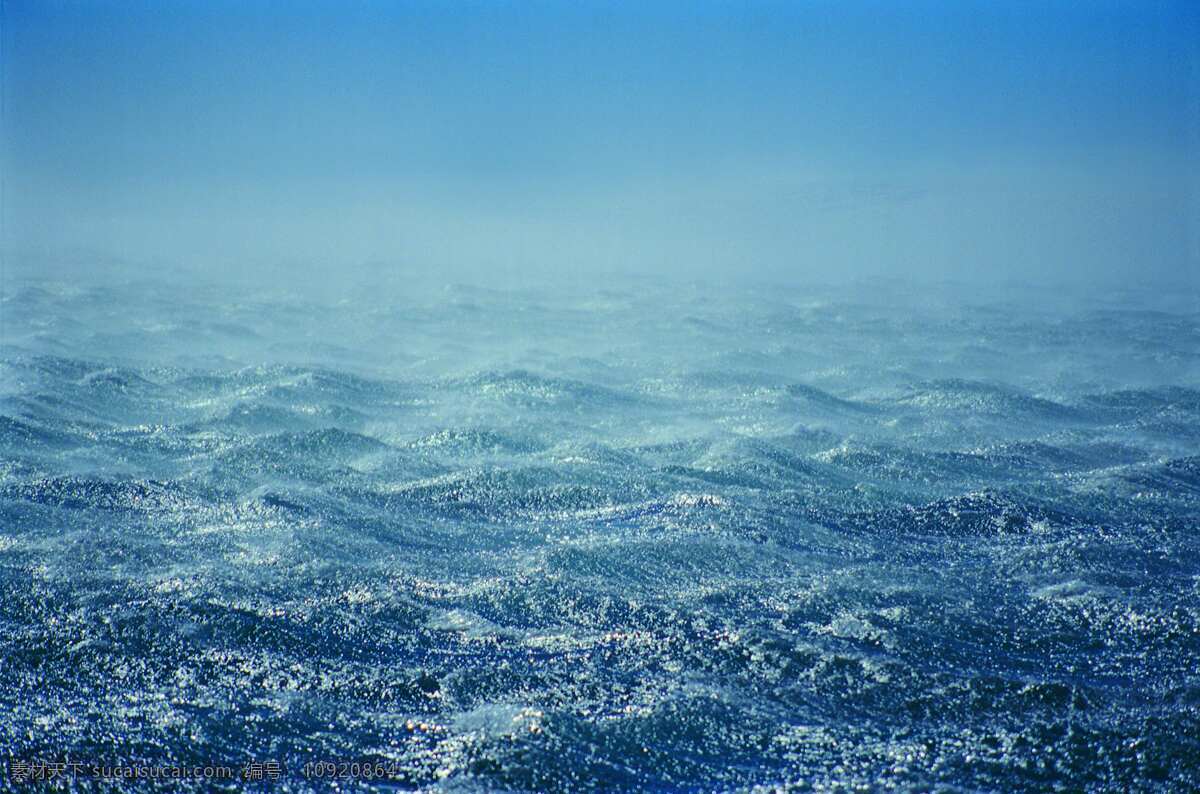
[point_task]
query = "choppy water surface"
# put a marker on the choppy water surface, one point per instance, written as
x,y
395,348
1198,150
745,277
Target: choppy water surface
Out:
x,y
638,536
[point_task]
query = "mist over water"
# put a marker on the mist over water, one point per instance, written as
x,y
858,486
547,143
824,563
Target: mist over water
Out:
x,y
646,536
565,398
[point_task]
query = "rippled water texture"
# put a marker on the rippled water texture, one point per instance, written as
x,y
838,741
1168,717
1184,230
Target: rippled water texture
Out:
x,y
644,536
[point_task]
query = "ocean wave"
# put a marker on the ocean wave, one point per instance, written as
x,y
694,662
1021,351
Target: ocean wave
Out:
x,y
652,539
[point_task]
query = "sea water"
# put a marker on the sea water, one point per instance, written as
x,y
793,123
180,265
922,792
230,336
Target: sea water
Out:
x,y
634,535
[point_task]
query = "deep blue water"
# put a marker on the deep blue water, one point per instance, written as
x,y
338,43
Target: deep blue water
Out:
x,y
634,536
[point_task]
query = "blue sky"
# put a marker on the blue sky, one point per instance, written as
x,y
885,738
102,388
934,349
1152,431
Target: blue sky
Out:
x,y
784,140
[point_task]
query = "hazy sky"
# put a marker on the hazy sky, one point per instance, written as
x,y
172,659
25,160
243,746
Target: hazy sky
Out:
x,y
798,139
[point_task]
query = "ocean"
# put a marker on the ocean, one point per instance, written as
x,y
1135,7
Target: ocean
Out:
x,y
637,535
